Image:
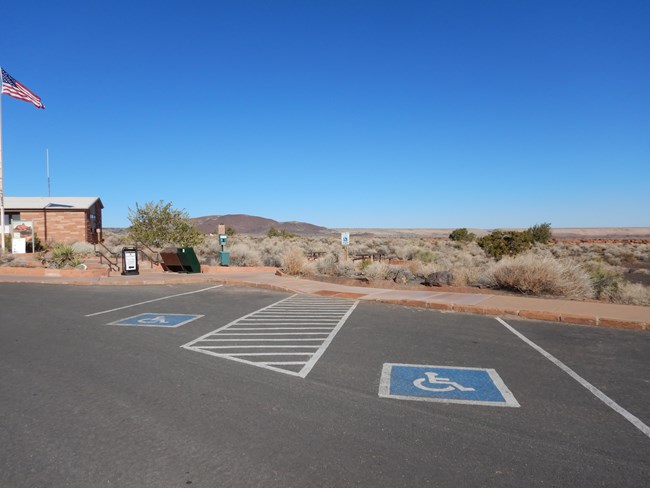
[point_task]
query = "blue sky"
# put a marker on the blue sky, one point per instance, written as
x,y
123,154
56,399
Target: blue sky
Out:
x,y
437,113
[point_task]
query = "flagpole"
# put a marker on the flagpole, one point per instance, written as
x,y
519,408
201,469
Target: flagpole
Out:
x,y
2,193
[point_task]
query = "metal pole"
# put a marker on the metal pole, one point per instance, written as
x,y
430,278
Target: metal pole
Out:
x,y
2,193
47,158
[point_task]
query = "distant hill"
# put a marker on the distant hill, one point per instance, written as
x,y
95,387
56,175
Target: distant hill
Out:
x,y
250,224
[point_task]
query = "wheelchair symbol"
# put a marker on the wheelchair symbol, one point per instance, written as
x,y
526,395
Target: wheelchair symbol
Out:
x,y
160,319
432,379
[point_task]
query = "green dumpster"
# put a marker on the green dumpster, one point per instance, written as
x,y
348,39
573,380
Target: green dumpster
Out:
x,y
188,260
224,258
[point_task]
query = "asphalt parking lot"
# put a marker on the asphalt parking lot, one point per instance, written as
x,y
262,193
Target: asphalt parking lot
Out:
x,y
169,386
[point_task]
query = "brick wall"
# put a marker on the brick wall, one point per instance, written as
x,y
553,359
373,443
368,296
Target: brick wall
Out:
x,y
60,226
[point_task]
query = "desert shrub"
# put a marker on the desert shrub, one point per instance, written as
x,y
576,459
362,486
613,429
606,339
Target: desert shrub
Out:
x,y
498,244
424,255
35,246
208,251
7,259
242,254
293,260
364,264
467,276
540,233
327,264
539,275
345,269
606,281
273,232
462,235
377,271
83,248
113,240
63,255
631,294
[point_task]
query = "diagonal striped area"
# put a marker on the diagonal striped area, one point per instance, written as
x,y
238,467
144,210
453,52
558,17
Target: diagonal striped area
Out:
x,y
288,336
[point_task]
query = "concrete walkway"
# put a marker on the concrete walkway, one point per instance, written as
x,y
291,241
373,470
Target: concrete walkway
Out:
x,y
568,311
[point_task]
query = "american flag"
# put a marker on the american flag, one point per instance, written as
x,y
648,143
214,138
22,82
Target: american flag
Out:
x,y
16,89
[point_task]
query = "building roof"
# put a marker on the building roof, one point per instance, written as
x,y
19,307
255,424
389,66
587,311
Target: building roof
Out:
x,y
51,203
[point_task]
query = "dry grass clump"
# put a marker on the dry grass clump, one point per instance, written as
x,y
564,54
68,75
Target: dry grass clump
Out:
x,y
539,275
631,294
293,260
377,271
243,254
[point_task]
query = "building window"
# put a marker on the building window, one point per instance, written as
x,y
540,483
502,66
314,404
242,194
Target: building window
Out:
x,y
11,217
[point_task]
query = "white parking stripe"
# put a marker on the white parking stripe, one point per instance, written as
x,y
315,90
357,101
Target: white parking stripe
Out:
x,y
151,301
595,391
286,325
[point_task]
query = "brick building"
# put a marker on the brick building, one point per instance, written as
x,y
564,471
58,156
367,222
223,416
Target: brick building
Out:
x,y
58,219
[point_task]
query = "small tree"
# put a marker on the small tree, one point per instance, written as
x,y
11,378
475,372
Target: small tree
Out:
x,y
462,235
541,233
159,224
500,243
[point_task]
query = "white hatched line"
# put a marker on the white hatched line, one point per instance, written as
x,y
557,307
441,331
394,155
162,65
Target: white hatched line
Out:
x,y
189,344
284,363
259,347
265,354
291,323
299,314
245,334
295,317
305,371
272,319
281,328
286,339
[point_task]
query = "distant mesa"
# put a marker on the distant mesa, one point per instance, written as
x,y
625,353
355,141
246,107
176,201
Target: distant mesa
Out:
x,y
250,224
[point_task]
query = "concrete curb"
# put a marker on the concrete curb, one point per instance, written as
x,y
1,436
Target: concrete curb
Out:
x,y
470,309
612,317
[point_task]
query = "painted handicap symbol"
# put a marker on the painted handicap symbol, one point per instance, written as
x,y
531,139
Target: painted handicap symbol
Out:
x,y
445,384
433,379
158,320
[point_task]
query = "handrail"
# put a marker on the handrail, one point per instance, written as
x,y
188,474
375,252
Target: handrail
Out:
x,y
153,260
113,266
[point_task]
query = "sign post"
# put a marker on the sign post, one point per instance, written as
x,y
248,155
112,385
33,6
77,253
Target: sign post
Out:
x,y
345,242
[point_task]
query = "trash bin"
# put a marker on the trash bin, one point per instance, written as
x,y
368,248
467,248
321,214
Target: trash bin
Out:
x,y
170,261
188,259
224,258
180,260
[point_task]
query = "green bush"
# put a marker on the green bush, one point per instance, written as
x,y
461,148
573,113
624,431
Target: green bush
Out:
x,y
541,233
273,232
498,243
63,255
462,235
607,282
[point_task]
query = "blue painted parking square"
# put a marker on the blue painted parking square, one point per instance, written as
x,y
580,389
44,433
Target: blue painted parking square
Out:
x,y
477,386
157,320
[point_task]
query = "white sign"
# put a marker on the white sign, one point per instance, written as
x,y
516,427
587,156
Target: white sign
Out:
x,y
345,238
130,262
18,245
